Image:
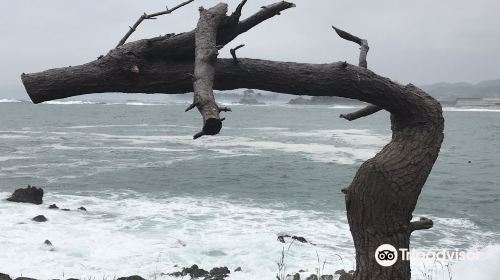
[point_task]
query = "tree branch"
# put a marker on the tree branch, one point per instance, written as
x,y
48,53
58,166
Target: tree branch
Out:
x,y
169,77
233,52
423,223
361,42
204,68
133,28
366,111
370,109
235,16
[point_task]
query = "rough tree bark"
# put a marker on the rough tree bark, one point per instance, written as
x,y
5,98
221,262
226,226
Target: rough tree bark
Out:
x,y
383,194
204,69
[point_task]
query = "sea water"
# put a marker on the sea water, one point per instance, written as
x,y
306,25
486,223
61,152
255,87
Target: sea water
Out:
x,y
158,200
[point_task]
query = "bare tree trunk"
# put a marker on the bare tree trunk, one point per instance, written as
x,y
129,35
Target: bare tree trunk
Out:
x,y
204,68
383,194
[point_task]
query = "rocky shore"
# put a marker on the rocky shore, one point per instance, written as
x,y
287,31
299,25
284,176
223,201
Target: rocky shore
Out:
x,y
34,195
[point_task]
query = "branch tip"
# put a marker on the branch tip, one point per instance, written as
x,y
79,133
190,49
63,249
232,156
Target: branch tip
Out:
x,y
225,109
233,52
148,16
191,107
363,112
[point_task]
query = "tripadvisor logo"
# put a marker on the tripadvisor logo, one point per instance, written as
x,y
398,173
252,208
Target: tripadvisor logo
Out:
x,y
386,255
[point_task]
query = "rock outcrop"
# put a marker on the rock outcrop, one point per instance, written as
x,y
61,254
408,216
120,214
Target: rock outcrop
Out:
x,y
40,219
133,277
28,195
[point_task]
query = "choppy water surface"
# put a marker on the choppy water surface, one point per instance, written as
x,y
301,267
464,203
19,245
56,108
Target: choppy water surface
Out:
x,y
156,198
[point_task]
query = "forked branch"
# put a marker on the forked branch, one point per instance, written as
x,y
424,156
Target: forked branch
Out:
x,y
133,28
235,16
370,109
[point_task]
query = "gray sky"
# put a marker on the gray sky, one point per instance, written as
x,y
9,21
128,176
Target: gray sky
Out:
x,y
422,42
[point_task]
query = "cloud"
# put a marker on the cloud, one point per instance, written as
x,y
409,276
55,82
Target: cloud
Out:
x,y
411,41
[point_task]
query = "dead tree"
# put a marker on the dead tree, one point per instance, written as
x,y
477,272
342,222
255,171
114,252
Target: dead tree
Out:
x,y
383,194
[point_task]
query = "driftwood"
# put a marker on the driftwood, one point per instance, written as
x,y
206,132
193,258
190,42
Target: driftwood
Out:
x,y
383,194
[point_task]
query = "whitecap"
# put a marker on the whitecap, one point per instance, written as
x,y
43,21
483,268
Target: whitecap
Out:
x,y
75,102
457,109
10,101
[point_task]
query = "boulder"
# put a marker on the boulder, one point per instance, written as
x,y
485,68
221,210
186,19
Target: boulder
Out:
x,y
40,219
4,277
82,208
48,243
28,195
133,277
238,269
24,278
345,275
53,206
218,273
300,239
312,277
65,209
296,276
194,272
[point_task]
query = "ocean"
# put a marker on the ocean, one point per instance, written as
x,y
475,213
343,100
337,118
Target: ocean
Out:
x,y
157,200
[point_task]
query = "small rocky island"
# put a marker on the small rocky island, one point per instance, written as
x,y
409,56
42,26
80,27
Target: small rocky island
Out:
x,y
250,98
323,100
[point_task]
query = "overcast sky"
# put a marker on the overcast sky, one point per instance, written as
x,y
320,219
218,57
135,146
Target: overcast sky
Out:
x,y
422,42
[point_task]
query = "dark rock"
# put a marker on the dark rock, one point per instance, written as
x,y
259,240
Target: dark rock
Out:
x,y
326,277
72,279
53,206
281,238
218,273
300,239
312,277
40,219
345,275
134,277
24,278
296,276
29,195
237,269
65,209
302,271
194,272
82,208
48,243
4,277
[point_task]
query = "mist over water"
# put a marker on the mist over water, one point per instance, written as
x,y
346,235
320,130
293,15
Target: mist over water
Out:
x,y
156,198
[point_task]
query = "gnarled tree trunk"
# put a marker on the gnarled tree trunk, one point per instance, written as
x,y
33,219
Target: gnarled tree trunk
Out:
x,y
383,194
